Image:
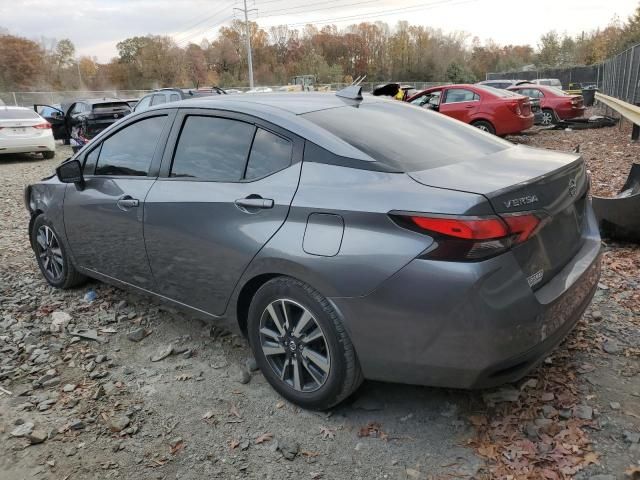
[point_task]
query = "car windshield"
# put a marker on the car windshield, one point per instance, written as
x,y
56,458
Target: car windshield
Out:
x,y
405,137
498,92
17,113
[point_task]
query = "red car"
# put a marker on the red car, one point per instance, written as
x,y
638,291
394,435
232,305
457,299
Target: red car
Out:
x,y
555,104
496,111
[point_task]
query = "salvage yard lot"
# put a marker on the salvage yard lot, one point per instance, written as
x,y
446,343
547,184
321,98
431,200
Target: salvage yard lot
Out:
x,y
162,395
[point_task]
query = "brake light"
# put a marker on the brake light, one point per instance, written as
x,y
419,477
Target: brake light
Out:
x,y
460,238
472,229
43,126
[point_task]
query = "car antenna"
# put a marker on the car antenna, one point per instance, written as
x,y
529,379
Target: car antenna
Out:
x,y
353,91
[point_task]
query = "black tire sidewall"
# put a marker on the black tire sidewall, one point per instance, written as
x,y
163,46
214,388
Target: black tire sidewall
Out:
x,y
37,223
291,289
492,130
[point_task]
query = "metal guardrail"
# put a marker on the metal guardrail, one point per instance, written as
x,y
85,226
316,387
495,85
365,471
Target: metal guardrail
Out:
x,y
627,110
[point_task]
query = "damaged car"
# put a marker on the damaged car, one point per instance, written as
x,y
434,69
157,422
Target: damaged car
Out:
x,y
79,121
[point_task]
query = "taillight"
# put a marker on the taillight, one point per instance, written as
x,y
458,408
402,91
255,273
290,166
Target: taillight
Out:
x,y
42,126
460,238
515,107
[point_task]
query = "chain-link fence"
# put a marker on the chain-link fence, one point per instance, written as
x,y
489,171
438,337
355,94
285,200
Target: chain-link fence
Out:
x,y
28,99
588,74
621,76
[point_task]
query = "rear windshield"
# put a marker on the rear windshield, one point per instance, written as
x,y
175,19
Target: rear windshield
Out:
x,y
405,137
498,92
17,114
559,92
111,106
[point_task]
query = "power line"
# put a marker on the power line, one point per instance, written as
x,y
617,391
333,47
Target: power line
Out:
x,y
381,13
186,30
187,40
270,12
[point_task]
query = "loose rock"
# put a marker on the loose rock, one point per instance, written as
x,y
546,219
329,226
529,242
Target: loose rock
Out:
x,y
137,335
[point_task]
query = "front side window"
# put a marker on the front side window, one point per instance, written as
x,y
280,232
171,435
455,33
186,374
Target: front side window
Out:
x,y
455,95
130,150
158,99
269,154
144,103
212,148
90,161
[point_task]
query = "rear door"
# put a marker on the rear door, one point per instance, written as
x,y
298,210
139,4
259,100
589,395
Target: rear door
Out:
x,y
460,103
55,117
104,219
226,185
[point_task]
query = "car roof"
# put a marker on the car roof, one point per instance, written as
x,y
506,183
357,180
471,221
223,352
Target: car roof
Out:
x,y
284,109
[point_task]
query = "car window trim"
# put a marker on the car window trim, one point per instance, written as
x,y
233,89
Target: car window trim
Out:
x,y
154,167
174,135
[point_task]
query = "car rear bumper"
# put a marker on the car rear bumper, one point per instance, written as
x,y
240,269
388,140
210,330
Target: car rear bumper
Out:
x,y
468,325
515,124
27,145
568,113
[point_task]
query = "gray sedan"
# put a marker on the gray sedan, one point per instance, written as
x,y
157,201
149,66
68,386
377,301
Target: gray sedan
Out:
x,y
346,237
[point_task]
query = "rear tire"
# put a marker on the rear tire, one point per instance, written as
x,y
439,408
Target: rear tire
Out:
x,y
301,345
48,155
484,126
549,117
54,262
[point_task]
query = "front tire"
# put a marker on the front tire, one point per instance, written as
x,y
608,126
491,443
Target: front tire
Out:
x,y
484,126
301,345
51,255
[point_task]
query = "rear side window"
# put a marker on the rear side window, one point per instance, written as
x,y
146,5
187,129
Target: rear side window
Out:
x,y
130,150
174,97
212,148
269,154
404,137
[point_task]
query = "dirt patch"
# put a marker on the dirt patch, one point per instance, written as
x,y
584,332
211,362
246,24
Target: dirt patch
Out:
x,y
103,383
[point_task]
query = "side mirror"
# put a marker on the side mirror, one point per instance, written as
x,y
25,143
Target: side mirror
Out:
x,y
70,172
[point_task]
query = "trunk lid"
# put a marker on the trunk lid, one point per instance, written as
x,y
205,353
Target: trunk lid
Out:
x,y
522,179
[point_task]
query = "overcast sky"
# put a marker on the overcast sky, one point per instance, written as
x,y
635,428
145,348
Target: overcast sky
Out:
x,y
95,26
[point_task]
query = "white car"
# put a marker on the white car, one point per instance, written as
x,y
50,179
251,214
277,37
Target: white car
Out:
x,y
22,130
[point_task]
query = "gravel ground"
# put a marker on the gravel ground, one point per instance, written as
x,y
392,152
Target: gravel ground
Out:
x,y
107,405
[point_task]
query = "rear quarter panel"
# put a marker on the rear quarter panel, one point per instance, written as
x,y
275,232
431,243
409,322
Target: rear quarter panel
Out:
x,y
373,247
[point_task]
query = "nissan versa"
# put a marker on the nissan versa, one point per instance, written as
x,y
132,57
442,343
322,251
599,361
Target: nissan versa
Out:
x,y
346,237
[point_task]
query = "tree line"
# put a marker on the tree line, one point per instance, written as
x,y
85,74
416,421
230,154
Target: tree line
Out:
x,y
382,52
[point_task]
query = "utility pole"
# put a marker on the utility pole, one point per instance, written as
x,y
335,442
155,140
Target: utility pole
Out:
x,y
247,35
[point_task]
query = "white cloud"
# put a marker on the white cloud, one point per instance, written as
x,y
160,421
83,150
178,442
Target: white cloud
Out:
x,y
96,26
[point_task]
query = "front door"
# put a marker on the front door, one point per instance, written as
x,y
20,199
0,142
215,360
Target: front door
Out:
x,y
460,103
224,191
55,116
104,219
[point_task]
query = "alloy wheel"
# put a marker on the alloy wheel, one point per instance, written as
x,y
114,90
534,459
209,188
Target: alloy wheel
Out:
x,y
294,345
547,118
484,128
50,253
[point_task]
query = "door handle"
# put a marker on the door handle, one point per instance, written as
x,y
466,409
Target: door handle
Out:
x,y
469,106
254,203
127,202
